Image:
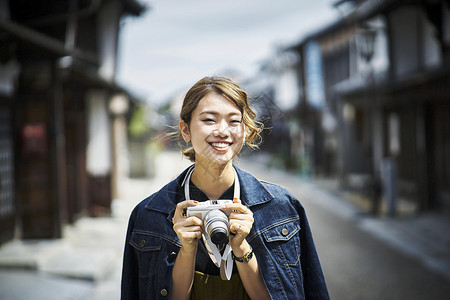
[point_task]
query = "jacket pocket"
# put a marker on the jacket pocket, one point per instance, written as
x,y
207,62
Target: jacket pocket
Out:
x,y
283,239
148,249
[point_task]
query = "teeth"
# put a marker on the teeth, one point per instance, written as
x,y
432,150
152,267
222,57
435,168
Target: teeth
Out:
x,y
219,145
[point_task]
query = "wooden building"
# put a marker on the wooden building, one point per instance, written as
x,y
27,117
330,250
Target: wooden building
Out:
x,y
384,69
57,77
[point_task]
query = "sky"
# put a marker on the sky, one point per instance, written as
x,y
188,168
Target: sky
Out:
x,y
177,42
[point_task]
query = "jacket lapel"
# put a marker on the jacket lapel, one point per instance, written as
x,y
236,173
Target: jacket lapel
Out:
x,y
252,190
165,200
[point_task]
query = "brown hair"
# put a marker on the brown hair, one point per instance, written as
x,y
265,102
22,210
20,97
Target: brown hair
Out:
x,y
230,90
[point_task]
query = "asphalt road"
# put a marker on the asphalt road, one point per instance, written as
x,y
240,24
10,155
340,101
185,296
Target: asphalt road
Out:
x,y
357,264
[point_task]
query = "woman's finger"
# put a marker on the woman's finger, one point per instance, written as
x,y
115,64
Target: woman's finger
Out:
x,y
236,207
181,207
188,224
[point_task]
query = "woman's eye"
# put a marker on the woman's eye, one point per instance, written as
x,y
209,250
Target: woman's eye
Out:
x,y
235,122
208,120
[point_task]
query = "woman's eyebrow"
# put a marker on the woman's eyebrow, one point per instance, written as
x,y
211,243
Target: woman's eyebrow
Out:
x,y
209,112
212,112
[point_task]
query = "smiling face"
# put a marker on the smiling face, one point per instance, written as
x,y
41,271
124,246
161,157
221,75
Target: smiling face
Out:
x,y
216,130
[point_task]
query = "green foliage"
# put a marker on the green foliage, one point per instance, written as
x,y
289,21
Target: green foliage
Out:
x,y
138,126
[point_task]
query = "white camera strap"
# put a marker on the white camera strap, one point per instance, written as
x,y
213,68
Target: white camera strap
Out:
x,y
223,261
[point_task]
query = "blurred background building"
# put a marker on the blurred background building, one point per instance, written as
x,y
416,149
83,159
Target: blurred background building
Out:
x,y
364,101
372,102
62,115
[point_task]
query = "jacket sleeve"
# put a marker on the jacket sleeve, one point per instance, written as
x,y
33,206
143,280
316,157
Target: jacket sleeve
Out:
x,y
130,269
314,281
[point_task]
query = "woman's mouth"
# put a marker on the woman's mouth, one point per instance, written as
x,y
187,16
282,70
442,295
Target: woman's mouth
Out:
x,y
220,146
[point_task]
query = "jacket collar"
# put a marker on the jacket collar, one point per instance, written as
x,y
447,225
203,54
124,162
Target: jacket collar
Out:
x,y
165,200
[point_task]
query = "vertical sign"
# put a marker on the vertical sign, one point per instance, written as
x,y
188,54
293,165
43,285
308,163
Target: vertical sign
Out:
x,y
314,76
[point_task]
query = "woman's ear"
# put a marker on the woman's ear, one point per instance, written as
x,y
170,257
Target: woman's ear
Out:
x,y
184,129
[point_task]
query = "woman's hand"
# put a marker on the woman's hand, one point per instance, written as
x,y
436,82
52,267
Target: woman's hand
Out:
x,y
188,229
241,222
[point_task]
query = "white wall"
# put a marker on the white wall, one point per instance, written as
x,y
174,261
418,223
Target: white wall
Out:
x,y
98,161
286,89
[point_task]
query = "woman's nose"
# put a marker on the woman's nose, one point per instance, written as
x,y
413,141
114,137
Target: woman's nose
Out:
x,y
222,130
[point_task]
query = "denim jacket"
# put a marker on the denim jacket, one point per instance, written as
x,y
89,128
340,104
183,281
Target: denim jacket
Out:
x,y
280,237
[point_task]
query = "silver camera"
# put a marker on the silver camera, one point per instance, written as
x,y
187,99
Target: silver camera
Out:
x,y
215,220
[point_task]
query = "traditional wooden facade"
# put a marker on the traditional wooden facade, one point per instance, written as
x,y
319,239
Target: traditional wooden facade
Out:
x,y
57,77
385,67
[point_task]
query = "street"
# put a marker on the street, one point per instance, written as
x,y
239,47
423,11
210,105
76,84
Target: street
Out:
x,y
357,264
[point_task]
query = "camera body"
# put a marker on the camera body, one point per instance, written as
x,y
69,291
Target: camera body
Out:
x,y
214,220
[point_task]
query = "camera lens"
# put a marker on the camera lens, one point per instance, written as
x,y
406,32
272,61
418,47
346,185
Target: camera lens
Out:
x,y
219,236
216,225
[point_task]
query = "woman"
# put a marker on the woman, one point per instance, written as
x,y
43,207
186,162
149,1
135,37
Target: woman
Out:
x,y
167,252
